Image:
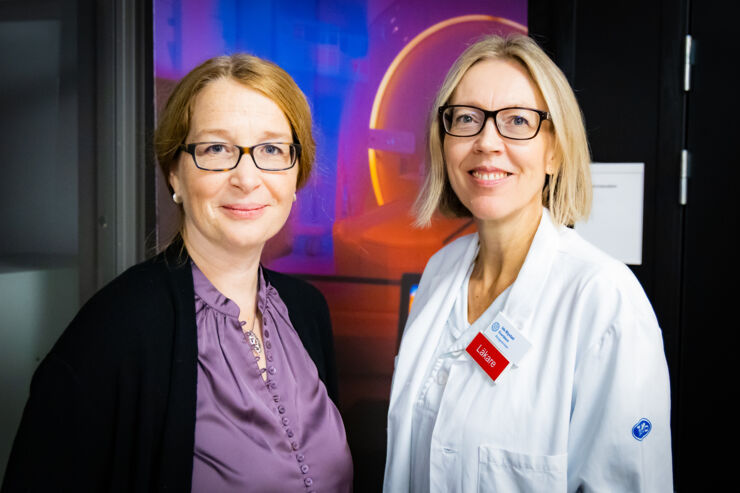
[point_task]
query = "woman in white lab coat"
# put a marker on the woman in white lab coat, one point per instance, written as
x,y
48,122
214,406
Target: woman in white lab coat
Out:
x,y
531,360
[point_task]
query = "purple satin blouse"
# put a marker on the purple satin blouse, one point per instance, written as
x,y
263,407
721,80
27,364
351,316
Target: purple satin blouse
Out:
x,y
283,434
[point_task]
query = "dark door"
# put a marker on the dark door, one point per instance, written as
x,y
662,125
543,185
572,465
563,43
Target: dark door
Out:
x,y
626,62
708,361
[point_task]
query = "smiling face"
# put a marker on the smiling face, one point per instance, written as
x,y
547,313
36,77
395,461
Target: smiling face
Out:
x,y
238,210
496,178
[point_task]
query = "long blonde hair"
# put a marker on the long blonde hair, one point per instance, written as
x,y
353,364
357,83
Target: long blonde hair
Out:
x,y
567,192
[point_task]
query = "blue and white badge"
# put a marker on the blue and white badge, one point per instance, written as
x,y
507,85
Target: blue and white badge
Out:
x,y
641,429
508,340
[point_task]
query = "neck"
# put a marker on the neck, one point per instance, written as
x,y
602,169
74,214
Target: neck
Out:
x,y
504,245
234,274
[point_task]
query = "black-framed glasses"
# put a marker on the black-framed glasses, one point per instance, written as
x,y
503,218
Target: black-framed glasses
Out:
x,y
515,123
220,156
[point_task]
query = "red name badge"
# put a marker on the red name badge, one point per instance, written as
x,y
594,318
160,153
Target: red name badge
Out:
x,y
487,356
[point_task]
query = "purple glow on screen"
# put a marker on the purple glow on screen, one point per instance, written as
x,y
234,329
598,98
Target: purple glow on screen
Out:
x,y
338,53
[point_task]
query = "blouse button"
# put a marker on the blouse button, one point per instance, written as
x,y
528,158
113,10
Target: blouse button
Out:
x,y
273,385
304,468
294,445
300,457
268,344
286,421
281,409
275,398
308,481
289,432
269,357
272,370
266,332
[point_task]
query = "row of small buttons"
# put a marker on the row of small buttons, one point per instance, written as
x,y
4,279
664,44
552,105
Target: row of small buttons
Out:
x,y
272,385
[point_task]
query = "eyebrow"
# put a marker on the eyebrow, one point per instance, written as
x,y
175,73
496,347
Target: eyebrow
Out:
x,y
227,136
507,105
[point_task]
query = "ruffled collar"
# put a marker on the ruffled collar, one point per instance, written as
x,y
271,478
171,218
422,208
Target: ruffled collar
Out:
x,y
212,297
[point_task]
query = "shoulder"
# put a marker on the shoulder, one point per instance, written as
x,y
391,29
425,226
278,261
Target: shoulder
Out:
x,y
605,291
136,308
295,293
450,254
588,266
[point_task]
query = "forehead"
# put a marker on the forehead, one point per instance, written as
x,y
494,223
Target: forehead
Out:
x,y
498,83
226,103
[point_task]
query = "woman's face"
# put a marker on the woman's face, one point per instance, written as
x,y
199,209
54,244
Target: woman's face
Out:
x,y
244,207
494,177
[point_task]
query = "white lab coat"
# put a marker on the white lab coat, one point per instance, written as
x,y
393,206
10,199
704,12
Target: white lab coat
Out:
x,y
563,419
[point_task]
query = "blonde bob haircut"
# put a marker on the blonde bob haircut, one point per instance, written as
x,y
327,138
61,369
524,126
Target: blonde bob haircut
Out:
x,y
567,192
255,73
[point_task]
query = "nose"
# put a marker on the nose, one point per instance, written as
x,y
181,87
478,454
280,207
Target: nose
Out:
x,y
246,176
489,139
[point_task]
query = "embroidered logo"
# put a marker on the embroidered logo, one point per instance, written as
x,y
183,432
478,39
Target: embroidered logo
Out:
x,y
495,326
641,429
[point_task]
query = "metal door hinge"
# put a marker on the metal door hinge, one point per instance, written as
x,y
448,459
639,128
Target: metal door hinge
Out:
x,y
688,60
684,177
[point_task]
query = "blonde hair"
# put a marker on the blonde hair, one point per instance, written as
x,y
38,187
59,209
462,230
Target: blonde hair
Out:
x,y
257,74
567,192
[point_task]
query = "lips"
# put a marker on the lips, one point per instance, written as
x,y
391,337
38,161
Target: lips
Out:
x,y
244,207
246,211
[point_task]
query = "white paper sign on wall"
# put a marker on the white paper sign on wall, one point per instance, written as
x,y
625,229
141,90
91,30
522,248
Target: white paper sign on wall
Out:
x,y
615,223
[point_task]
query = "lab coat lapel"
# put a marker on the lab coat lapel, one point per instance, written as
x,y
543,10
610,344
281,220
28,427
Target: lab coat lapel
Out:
x,y
422,334
530,283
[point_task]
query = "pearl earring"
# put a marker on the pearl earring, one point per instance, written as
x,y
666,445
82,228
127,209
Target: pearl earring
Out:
x,y
175,198
295,197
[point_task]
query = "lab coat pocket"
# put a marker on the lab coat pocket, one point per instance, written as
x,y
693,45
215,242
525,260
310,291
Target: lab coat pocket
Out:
x,y
503,471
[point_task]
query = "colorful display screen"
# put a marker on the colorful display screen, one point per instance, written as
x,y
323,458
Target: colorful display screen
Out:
x,y
370,70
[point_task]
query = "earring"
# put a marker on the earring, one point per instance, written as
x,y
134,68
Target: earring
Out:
x,y
175,198
295,197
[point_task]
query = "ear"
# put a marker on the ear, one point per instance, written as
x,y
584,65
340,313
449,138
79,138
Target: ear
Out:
x,y
174,179
552,159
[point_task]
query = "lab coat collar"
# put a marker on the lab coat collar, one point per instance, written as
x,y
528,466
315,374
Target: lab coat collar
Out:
x,y
531,280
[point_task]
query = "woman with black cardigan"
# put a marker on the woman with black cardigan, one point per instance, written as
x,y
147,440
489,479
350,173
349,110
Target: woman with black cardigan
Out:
x,y
200,369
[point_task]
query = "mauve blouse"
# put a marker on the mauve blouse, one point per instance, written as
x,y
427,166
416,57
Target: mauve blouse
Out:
x,y
283,434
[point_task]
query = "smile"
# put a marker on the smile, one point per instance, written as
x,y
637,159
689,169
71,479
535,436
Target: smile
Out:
x,y
489,175
249,211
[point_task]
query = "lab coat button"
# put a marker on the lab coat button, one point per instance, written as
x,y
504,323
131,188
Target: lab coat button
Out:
x,y
442,377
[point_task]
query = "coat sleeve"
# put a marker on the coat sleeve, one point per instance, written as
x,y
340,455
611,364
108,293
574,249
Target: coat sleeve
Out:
x,y
620,435
52,450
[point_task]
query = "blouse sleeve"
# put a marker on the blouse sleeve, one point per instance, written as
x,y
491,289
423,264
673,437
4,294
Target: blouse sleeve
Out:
x,y
620,435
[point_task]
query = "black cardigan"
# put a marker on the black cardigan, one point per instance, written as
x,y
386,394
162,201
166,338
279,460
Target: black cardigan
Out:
x,y
112,406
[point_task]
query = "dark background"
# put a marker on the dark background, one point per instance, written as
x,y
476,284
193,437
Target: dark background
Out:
x,y
625,61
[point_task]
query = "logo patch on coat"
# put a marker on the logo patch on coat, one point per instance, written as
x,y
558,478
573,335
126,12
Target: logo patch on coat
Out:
x,y
641,429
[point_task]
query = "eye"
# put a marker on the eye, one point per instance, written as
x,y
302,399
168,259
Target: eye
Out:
x,y
214,149
465,117
519,121
271,150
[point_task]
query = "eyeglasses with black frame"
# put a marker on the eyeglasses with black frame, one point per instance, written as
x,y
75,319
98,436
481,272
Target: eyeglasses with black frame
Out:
x,y
516,123
220,156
